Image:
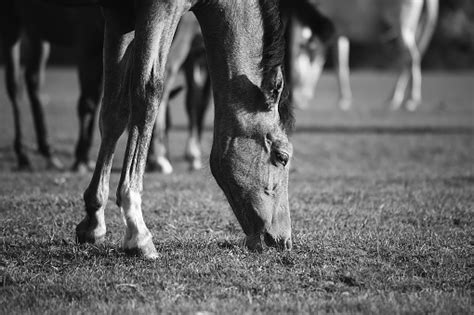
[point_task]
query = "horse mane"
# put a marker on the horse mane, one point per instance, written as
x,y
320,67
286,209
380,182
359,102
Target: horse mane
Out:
x,y
274,53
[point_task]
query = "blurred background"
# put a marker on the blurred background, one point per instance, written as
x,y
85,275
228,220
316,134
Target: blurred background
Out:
x,y
452,46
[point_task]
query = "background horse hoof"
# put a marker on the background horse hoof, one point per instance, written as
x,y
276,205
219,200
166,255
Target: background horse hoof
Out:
x,y
394,105
86,232
83,167
24,165
412,105
195,165
345,104
161,165
54,163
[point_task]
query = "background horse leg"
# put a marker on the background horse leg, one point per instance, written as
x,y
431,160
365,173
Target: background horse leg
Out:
x,y
10,27
90,80
343,76
157,159
34,77
197,101
398,94
114,116
410,13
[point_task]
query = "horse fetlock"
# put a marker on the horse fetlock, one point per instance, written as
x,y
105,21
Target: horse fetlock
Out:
x,y
95,200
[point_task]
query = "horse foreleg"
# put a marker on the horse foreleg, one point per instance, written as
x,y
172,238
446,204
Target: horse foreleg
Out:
x,y
156,22
343,73
114,116
34,77
197,101
90,79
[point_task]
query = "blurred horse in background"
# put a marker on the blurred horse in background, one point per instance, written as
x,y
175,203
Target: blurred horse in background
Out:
x,y
42,24
411,22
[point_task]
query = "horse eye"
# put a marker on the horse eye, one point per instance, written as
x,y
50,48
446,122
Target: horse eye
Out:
x,y
282,158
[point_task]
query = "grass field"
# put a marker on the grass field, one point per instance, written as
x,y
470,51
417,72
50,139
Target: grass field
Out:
x,y
382,211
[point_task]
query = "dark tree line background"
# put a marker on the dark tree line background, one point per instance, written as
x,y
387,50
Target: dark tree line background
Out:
x,y
452,46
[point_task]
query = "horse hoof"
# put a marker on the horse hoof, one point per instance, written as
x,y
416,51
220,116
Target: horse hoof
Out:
x,y
412,105
345,104
24,167
195,165
83,167
254,243
394,105
86,233
141,246
160,165
55,163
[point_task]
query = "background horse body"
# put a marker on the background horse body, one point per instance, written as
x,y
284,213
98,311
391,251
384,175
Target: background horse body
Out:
x,y
372,21
42,24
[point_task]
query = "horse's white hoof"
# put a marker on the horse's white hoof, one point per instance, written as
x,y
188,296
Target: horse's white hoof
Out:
x,y
55,163
165,165
140,245
196,165
161,165
345,104
412,105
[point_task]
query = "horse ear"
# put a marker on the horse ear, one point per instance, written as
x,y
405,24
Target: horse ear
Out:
x,y
273,87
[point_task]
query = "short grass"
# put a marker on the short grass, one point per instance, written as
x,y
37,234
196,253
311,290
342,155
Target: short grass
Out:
x,y
382,210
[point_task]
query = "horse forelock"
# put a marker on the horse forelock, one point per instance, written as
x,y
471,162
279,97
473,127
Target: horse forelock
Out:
x,y
274,53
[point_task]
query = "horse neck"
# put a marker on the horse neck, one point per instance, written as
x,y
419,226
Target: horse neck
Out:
x,y
233,32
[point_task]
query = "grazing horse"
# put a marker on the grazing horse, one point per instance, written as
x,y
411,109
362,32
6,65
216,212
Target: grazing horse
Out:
x,y
361,20
251,151
42,24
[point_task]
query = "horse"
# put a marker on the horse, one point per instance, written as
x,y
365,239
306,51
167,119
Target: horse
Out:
x,y
251,151
43,24
412,22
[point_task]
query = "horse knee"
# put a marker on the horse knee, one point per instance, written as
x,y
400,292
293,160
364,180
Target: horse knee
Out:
x,y
145,97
